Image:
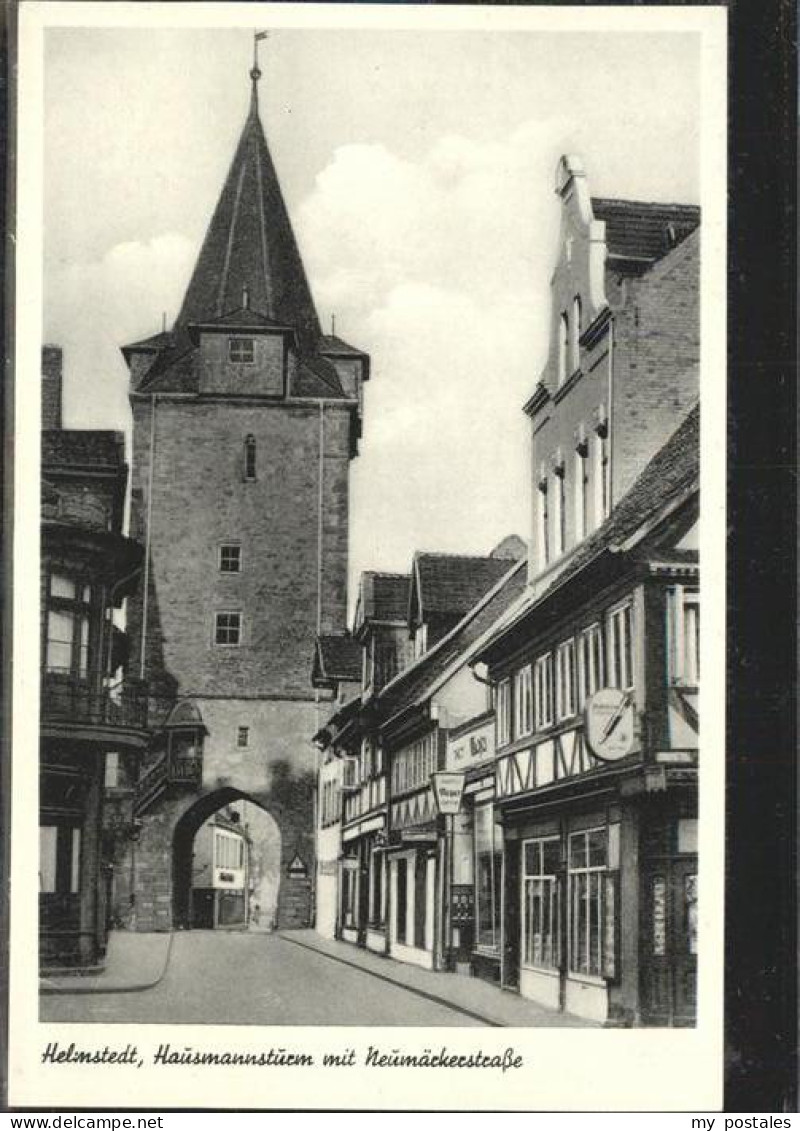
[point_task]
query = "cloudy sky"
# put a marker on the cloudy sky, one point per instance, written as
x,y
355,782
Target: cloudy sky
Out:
x,y
418,169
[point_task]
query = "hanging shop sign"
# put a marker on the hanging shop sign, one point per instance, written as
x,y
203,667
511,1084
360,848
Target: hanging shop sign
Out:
x,y
609,718
448,789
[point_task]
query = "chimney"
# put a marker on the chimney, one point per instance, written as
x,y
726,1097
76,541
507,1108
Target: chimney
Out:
x,y
52,364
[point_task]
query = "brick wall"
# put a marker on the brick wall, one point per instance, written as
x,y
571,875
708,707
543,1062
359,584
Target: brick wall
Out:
x,y
656,360
52,381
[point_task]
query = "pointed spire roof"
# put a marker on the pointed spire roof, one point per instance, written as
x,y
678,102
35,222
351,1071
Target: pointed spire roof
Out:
x,y
250,246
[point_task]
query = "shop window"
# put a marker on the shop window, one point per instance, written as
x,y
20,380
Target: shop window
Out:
x,y
620,648
523,701
68,626
503,722
228,629
592,905
230,558
349,879
590,651
59,859
488,863
543,685
241,350
683,630
376,900
541,912
402,899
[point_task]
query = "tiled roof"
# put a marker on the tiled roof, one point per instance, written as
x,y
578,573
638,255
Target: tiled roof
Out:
x,y
73,447
316,377
243,316
672,471
174,370
384,596
411,685
638,230
154,344
332,346
340,657
451,584
250,245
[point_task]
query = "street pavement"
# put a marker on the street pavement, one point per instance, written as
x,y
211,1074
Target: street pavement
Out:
x,y
237,978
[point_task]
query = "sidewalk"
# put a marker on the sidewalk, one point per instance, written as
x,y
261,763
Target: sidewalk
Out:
x,y
471,996
133,962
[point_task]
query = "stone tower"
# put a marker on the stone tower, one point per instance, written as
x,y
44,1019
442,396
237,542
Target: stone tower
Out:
x,y
245,420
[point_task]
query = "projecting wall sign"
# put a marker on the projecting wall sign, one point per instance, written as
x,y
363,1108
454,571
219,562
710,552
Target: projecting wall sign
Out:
x,y
609,723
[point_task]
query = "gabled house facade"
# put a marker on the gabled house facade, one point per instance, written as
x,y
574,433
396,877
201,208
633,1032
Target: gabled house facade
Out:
x,y
596,673
432,869
93,716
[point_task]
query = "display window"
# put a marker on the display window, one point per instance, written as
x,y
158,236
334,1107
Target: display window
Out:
x,y
541,903
488,864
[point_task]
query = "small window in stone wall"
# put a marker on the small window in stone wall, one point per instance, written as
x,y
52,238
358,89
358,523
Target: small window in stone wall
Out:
x,y
241,350
250,458
230,558
228,628
243,736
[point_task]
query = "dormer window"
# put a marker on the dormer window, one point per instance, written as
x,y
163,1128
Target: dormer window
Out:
x,y
250,458
241,350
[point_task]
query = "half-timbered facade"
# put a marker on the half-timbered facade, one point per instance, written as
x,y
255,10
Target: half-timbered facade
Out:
x,y
432,857
596,674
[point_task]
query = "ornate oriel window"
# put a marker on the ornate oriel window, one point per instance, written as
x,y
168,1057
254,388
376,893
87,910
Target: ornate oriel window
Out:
x,y
68,625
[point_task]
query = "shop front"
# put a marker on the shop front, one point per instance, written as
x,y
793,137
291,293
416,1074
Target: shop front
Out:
x,y
600,893
477,851
413,883
363,884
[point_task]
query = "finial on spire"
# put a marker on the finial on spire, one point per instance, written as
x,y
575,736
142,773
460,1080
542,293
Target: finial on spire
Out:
x,y
333,325
255,73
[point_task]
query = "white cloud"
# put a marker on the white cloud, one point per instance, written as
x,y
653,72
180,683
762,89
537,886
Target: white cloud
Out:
x,y
439,268
95,308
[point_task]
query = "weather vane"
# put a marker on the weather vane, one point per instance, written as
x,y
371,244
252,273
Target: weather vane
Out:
x,y
255,74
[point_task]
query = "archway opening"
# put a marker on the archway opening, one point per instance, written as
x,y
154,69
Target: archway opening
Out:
x,y
226,864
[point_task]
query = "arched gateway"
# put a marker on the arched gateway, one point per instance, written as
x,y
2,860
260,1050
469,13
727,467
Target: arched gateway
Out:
x,y
245,420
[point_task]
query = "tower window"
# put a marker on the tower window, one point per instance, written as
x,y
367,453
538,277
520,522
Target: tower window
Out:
x,y
241,350
243,736
230,558
250,458
228,628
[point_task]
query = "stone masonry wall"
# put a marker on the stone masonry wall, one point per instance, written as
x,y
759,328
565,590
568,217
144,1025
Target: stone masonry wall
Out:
x,y
200,501
656,360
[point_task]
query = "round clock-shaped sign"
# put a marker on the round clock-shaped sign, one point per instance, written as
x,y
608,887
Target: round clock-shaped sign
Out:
x,y
609,723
